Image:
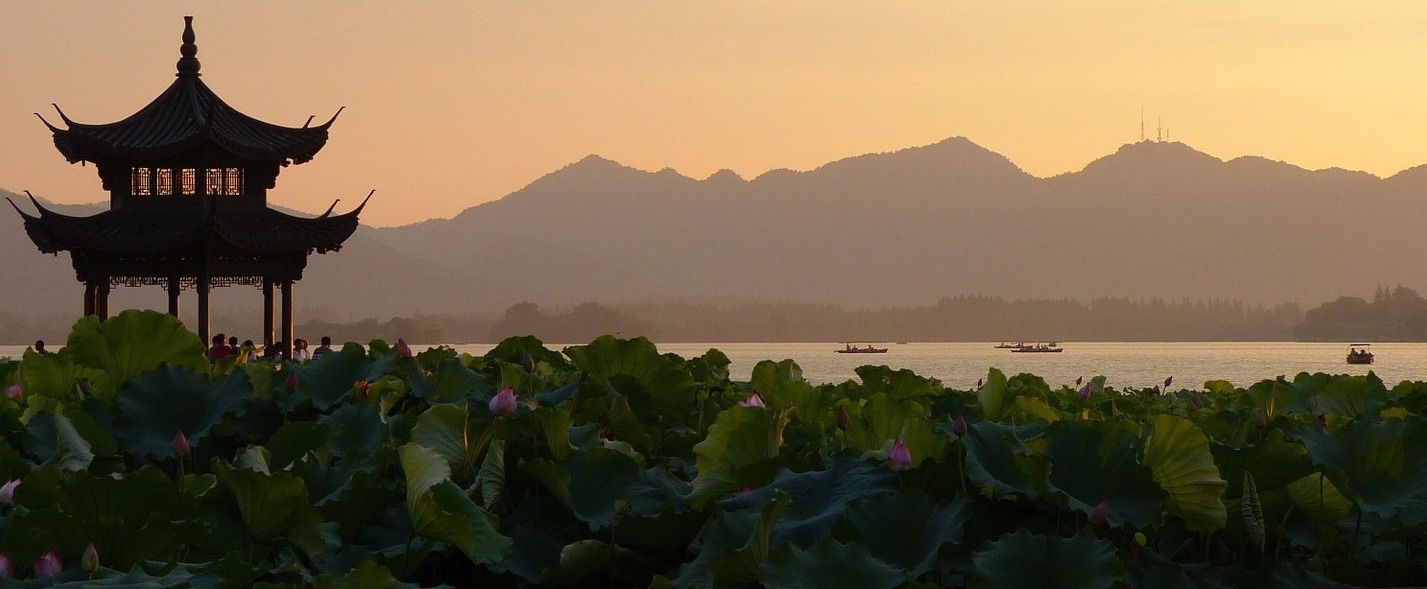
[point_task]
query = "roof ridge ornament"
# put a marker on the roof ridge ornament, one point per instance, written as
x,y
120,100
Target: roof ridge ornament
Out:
x,y
188,65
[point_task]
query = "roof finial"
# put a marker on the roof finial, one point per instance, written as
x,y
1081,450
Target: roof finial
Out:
x,y
188,64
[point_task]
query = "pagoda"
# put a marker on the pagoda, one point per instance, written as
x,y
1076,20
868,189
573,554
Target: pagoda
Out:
x,y
188,177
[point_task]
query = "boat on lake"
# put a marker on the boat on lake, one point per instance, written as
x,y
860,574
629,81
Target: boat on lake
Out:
x,y
1006,346
1038,348
1359,354
867,349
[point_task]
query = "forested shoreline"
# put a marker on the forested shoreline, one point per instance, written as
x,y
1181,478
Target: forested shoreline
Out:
x,y
1392,314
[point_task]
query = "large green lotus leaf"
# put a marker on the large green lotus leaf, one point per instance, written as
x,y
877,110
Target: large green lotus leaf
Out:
x,y
53,439
539,528
456,383
1386,470
655,384
994,397
1317,496
131,518
274,506
443,428
133,342
156,406
828,564
440,511
55,376
626,427
819,498
907,529
711,367
555,424
1351,396
296,440
1094,461
367,575
778,389
897,384
1032,409
733,545
1177,453
1275,396
355,431
883,419
740,437
514,350
603,482
997,459
1274,460
326,380
586,558
1036,561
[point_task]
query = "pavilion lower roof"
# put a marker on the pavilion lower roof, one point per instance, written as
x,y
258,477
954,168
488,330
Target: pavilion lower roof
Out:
x,y
156,230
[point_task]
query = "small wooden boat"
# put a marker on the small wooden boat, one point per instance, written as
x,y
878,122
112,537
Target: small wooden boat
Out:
x,y
1039,348
1359,356
868,349
1006,346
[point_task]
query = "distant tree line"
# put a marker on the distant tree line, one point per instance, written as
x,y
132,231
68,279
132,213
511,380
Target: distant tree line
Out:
x,y
1393,314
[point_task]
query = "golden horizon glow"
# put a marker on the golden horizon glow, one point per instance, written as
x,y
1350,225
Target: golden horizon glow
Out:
x,y
451,104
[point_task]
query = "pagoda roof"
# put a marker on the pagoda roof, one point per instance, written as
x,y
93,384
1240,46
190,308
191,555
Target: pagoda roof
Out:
x,y
156,230
187,115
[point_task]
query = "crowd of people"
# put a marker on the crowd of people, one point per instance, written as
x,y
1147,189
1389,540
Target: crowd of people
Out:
x,y
225,346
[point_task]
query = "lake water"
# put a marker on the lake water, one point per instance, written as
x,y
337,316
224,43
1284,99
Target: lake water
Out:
x,y
1124,364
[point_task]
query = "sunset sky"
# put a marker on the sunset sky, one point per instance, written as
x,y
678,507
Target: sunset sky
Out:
x,y
450,104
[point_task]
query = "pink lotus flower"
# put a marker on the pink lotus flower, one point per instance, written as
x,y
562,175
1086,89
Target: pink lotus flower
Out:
x,y
504,402
403,351
959,427
7,568
14,391
1101,512
753,400
48,565
900,458
7,491
89,561
1085,392
180,444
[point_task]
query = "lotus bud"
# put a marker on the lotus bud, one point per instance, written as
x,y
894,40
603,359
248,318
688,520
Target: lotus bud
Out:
x,y
528,361
291,380
7,491
1197,398
403,351
959,425
7,568
1101,512
1313,403
843,419
1167,381
89,561
979,382
85,389
180,444
754,400
504,402
1085,392
1323,419
48,565
900,458
14,391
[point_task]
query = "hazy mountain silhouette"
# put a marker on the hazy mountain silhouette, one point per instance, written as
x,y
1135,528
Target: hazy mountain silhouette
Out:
x,y
1154,219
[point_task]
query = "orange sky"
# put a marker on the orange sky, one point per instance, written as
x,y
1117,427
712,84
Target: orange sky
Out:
x,y
450,104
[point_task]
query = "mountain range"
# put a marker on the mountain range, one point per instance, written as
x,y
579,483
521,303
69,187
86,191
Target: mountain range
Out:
x,y
1153,219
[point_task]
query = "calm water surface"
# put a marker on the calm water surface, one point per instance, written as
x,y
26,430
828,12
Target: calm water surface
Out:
x,y
1124,364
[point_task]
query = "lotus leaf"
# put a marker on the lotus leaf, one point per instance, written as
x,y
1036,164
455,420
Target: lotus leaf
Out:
x,y
1095,462
133,342
158,405
1177,454
819,498
1082,561
440,511
741,437
828,564
1385,473
907,529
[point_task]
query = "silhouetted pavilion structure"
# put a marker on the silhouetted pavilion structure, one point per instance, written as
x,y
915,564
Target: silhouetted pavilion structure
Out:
x,y
188,177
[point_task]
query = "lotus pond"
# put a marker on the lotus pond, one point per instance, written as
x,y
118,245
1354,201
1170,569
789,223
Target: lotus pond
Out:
x,y
131,462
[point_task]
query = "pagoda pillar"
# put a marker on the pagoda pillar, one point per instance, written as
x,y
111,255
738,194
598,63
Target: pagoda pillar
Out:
x,y
174,288
203,327
101,300
90,290
268,312
287,327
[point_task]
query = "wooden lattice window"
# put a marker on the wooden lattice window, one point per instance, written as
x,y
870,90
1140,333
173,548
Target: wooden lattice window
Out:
x,y
188,181
141,182
233,181
163,182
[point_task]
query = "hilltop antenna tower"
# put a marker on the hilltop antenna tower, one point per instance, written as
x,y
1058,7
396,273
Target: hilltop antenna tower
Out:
x,y
1159,129
1142,124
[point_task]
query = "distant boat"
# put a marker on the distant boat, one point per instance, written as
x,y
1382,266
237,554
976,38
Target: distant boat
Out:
x,y
1005,346
1357,356
868,349
1038,348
